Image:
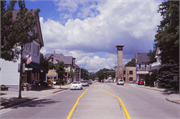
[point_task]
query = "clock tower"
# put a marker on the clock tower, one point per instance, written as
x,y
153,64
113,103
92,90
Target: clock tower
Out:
x,y
119,70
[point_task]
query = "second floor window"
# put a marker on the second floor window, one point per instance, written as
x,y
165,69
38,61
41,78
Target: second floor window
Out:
x,y
131,72
36,50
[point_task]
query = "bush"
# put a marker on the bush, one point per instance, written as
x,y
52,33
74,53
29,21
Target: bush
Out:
x,y
44,84
60,81
153,78
147,79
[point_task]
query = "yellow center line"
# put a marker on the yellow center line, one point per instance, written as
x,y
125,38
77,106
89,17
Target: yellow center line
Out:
x,y
72,110
94,85
124,108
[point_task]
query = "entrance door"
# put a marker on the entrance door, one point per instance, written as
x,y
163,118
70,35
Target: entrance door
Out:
x,y
29,77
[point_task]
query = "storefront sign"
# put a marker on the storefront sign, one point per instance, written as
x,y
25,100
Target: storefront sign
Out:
x,y
51,73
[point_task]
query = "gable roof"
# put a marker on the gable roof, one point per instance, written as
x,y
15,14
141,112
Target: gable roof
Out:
x,y
61,57
15,12
76,66
141,58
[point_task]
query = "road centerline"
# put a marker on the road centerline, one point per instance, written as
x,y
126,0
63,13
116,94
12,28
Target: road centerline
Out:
x,y
122,104
72,110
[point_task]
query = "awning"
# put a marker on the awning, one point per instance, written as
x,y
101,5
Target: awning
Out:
x,y
36,67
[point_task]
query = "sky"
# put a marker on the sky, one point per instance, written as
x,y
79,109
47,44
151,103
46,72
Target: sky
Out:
x,y
90,30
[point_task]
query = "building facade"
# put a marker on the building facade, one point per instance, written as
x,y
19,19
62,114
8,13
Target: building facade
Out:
x,y
142,65
155,65
69,62
129,74
31,71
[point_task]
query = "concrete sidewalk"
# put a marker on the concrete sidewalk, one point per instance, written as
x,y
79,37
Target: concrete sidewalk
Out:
x,y
172,95
10,98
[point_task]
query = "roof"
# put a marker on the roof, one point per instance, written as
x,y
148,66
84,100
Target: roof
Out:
x,y
141,58
76,66
61,57
15,12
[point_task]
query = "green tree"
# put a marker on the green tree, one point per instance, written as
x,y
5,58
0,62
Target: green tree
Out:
x,y
15,31
43,63
59,67
84,74
152,54
104,73
131,63
72,74
51,65
167,38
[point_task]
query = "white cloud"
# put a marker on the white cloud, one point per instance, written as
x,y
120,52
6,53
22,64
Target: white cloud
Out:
x,y
132,24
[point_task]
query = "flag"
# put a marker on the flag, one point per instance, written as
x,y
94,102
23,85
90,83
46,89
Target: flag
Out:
x,y
56,58
28,58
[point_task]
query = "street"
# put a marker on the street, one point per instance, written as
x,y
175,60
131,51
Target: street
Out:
x,y
140,103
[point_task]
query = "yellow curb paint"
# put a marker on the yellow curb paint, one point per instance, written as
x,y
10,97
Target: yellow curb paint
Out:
x,y
122,104
72,110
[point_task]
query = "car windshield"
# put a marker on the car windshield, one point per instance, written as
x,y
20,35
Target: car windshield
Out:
x,y
84,81
121,80
76,83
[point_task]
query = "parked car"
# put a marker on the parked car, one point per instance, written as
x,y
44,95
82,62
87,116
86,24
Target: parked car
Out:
x,y
132,82
141,82
76,85
90,82
85,83
120,82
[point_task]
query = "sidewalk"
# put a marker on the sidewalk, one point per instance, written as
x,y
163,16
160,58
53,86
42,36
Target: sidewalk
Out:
x,y
10,98
172,95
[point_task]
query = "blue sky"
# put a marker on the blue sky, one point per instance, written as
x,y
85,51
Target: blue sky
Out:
x,y
89,30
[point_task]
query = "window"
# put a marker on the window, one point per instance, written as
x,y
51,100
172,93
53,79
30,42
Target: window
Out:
x,y
124,72
36,49
130,78
131,72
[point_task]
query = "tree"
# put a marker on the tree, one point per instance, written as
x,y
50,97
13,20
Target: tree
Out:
x,y
131,63
167,38
51,65
59,67
72,73
43,63
84,74
152,54
15,30
104,73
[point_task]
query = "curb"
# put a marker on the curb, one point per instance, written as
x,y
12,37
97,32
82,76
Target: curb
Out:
x,y
59,90
166,98
27,100
172,101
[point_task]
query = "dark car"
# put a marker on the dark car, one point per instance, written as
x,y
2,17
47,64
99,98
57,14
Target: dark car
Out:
x,y
90,82
85,83
141,82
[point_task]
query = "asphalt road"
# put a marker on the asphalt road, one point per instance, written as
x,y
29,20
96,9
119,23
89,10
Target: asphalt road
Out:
x,y
95,104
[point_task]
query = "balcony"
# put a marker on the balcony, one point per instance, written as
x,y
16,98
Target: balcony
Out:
x,y
142,69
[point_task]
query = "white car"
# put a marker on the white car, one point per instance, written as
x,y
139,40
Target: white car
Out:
x,y
76,85
120,82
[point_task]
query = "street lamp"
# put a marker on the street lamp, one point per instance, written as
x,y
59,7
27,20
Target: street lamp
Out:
x,y
20,77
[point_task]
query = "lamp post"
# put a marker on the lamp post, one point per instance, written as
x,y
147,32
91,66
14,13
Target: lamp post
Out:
x,y
20,74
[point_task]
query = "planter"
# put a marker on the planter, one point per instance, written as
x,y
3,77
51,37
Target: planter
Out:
x,y
25,88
